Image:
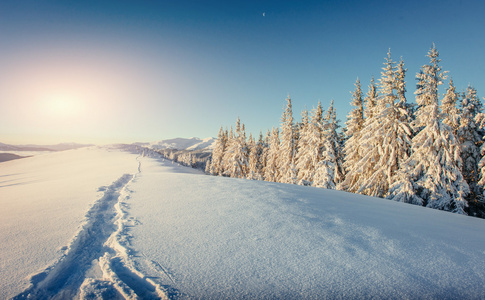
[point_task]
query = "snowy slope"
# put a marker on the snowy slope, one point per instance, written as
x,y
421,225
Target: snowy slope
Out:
x,y
207,143
154,229
213,237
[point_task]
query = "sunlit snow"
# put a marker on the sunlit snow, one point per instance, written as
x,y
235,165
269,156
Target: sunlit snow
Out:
x,y
124,223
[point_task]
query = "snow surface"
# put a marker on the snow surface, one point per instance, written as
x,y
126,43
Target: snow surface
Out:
x,y
43,203
104,223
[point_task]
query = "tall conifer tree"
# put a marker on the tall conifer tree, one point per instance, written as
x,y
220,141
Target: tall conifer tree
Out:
x,y
327,172
286,159
352,147
303,155
471,138
216,164
272,172
433,167
386,136
451,114
236,157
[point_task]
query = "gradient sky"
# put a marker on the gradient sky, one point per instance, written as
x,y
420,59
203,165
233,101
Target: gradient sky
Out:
x,y
126,71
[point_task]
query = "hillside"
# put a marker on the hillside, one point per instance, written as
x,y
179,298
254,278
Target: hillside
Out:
x,y
115,223
31,147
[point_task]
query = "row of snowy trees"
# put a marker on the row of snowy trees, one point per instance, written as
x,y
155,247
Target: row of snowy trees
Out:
x,y
429,153
185,158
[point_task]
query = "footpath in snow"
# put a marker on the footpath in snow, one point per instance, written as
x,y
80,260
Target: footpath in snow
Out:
x,y
123,224
44,199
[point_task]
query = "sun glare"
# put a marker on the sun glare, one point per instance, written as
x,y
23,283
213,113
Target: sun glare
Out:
x,y
62,106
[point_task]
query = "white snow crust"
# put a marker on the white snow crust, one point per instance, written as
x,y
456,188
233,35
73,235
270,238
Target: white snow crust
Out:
x,y
101,223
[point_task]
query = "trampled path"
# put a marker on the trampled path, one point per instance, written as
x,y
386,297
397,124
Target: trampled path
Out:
x,y
97,263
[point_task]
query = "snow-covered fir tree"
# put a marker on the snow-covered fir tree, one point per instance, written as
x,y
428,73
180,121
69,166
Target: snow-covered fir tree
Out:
x,y
400,82
371,100
207,169
451,114
471,138
386,137
236,157
352,147
362,168
433,168
481,169
226,157
261,145
271,171
303,155
327,171
264,154
336,143
286,157
402,103
253,160
310,154
216,164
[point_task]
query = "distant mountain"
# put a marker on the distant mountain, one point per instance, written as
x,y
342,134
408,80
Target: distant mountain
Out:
x,y
9,156
30,147
65,146
182,144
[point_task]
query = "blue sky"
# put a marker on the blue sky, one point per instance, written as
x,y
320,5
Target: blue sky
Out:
x,y
125,71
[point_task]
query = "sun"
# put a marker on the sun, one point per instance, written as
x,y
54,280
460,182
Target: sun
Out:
x,y
62,106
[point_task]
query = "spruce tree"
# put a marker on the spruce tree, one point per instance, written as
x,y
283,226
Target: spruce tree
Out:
x,y
216,164
260,147
386,136
352,147
470,137
304,164
286,158
271,172
371,100
264,155
433,168
451,114
316,139
227,155
327,172
253,172
236,157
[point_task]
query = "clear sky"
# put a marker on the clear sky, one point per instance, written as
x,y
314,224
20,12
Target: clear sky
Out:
x,y
126,71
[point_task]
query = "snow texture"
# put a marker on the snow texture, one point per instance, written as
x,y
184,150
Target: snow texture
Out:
x,y
230,238
138,226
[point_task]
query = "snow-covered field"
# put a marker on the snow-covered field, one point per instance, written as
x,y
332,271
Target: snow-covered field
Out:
x,y
106,223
